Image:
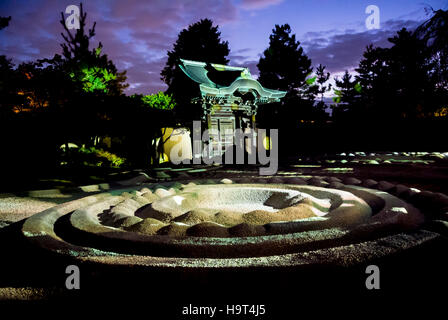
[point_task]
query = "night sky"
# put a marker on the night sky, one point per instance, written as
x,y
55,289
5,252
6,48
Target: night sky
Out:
x,y
136,34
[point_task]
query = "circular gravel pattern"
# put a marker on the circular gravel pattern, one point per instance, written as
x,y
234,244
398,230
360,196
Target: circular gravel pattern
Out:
x,y
257,222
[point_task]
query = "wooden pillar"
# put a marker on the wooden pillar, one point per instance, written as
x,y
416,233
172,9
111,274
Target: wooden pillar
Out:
x,y
237,120
209,121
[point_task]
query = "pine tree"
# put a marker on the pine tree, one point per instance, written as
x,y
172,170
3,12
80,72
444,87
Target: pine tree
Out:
x,y
4,22
91,69
347,97
434,33
284,65
321,78
397,82
201,41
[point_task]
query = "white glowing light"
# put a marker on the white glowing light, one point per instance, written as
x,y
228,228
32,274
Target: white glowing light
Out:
x,y
399,209
178,200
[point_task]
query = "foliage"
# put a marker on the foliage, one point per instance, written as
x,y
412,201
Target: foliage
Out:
x,y
90,69
98,157
95,78
8,81
397,82
159,101
434,33
322,78
77,97
201,41
441,112
347,97
9,84
4,22
285,66
311,80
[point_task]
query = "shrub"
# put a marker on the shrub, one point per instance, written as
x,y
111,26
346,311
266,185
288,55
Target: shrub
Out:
x,y
98,157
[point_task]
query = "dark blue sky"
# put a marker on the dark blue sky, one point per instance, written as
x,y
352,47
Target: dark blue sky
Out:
x,y
136,34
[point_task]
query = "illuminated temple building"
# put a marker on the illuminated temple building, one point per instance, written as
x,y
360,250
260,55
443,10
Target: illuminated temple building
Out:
x,y
229,96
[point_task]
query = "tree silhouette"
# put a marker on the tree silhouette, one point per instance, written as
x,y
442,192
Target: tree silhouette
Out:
x,y
396,82
90,68
80,86
9,83
75,97
201,41
322,78
284,66
7,80
348,93
434,33
410,76
4,22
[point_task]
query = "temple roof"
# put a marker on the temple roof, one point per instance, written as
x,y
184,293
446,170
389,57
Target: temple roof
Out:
x,y
227,81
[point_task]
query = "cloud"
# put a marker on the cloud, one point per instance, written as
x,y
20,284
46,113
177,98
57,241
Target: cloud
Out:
x,y
251,64
341,51
258,4
135,34
239,59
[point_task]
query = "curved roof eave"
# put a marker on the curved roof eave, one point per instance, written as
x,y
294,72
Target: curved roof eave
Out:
x,y
245,84
196,71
